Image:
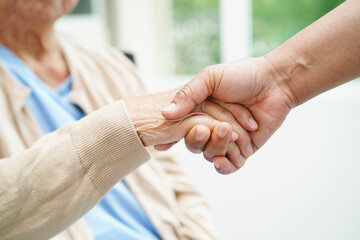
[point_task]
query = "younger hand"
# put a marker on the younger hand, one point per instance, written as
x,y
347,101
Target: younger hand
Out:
x,y
227,155
154,129
251,83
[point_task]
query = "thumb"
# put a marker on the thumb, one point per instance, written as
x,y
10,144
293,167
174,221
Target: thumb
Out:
x,y
190,95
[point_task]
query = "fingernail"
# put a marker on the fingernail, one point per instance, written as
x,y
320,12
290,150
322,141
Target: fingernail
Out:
x,y
222,132
217,165
171,107
249,150
240,163
252,123
199,136
234,136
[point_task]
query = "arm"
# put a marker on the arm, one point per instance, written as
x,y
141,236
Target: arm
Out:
x,y
64,174
322,56
52,184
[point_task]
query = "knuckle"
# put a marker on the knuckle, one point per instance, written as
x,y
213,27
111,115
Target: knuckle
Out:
x,y
193,147
204,106
185,91
206,70
194,150
227,116
239,164
208,156
244,138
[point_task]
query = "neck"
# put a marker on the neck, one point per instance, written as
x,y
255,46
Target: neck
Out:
x,y
37,46
27,40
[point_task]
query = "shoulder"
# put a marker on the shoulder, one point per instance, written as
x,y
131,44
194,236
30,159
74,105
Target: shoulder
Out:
x,y
95,60
94,49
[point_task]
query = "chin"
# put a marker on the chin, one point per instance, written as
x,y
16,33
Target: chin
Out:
x,y
44,10
69,5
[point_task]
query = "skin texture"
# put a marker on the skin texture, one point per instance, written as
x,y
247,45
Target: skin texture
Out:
x,y
259,93
27,28
320,57
154,129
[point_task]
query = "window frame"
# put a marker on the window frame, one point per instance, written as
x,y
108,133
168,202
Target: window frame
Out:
x,y
235,29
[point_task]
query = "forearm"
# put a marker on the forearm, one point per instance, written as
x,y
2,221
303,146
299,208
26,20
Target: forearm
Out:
x,y
57,180
322,56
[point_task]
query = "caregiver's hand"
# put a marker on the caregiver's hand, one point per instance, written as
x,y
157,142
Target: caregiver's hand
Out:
x,y
217,150
320,57
251,83
154,129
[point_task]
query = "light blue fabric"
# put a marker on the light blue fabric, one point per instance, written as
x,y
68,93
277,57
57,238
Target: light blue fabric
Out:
x,y
119,215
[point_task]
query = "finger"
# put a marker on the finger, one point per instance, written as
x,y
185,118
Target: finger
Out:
x,y
164,147
234,137
233,154
217,145
197,138
232,162
218,112
223,165
242,115
193,93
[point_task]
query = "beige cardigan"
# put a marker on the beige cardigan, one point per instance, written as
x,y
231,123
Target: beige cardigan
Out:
x,y
48,183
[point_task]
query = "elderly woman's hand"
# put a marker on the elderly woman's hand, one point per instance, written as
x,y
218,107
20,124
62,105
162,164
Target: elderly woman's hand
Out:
x,y
210,116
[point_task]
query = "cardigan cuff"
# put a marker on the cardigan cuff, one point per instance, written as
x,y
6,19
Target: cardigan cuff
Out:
x,y
108,145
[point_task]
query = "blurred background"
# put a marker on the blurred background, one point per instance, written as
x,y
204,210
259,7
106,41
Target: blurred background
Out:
x,y
304,183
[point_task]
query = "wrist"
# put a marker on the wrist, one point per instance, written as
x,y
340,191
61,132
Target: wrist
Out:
x,y
151,127
143,120
288,73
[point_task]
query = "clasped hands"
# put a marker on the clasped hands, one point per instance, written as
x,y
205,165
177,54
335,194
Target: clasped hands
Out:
x,y
210,128
227,112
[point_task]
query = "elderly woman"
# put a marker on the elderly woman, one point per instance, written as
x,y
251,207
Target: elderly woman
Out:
x,y
51,185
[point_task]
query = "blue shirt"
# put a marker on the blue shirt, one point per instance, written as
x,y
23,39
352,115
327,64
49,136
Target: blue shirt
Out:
x,y
119,215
